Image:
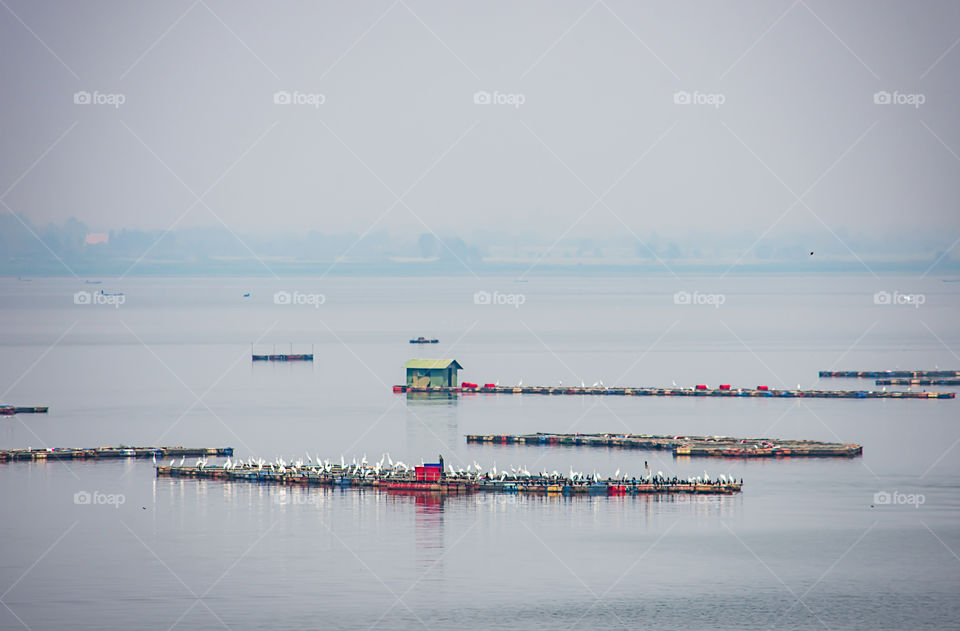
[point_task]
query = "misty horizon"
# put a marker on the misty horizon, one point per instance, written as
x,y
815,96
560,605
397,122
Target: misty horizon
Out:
x,y
73,248
578,133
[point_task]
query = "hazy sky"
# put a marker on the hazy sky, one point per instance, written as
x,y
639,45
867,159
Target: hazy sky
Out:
x,y
588,89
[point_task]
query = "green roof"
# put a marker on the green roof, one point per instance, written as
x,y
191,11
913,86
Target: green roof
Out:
x,y
434,364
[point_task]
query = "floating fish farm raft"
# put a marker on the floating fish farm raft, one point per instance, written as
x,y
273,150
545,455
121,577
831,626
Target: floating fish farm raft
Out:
x,y
430,479
698,391
918,382
302,357
70,453
880,374
702,446
9,410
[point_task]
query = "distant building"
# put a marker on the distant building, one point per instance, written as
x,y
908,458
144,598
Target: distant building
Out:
x,y
432,373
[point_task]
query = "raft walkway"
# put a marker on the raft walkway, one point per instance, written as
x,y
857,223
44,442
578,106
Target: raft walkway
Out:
x,y
458,483
917,382
71,453
723,391
8,410
875,374
702,446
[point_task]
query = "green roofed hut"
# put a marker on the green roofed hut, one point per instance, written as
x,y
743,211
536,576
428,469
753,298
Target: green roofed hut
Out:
x,y
432,373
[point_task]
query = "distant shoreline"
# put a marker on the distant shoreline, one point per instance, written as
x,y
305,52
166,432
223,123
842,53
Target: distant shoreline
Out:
x,y
286,268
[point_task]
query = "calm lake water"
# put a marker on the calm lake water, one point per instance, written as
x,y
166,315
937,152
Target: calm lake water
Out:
x,y
805,546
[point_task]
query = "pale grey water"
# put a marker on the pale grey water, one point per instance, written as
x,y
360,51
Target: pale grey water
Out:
x,y
801,548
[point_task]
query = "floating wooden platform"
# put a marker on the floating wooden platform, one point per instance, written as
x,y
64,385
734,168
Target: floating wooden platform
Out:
x,y
303,357
685,392
918,382
404,482
70,453
703,446
875,374
8,410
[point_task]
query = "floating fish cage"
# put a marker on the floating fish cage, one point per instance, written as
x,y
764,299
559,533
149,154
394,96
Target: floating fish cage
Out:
x,y
723,391
71,453
457,483
701,446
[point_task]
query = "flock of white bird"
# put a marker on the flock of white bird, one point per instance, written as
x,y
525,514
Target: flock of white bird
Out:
x,y
386,466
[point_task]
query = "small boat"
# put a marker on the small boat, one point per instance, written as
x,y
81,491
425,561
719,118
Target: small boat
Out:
x,y
423,340
246,295
110,293
93,282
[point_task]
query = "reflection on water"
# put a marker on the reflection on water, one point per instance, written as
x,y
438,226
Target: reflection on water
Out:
x,y
428,526
433,422
432,398
427,508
